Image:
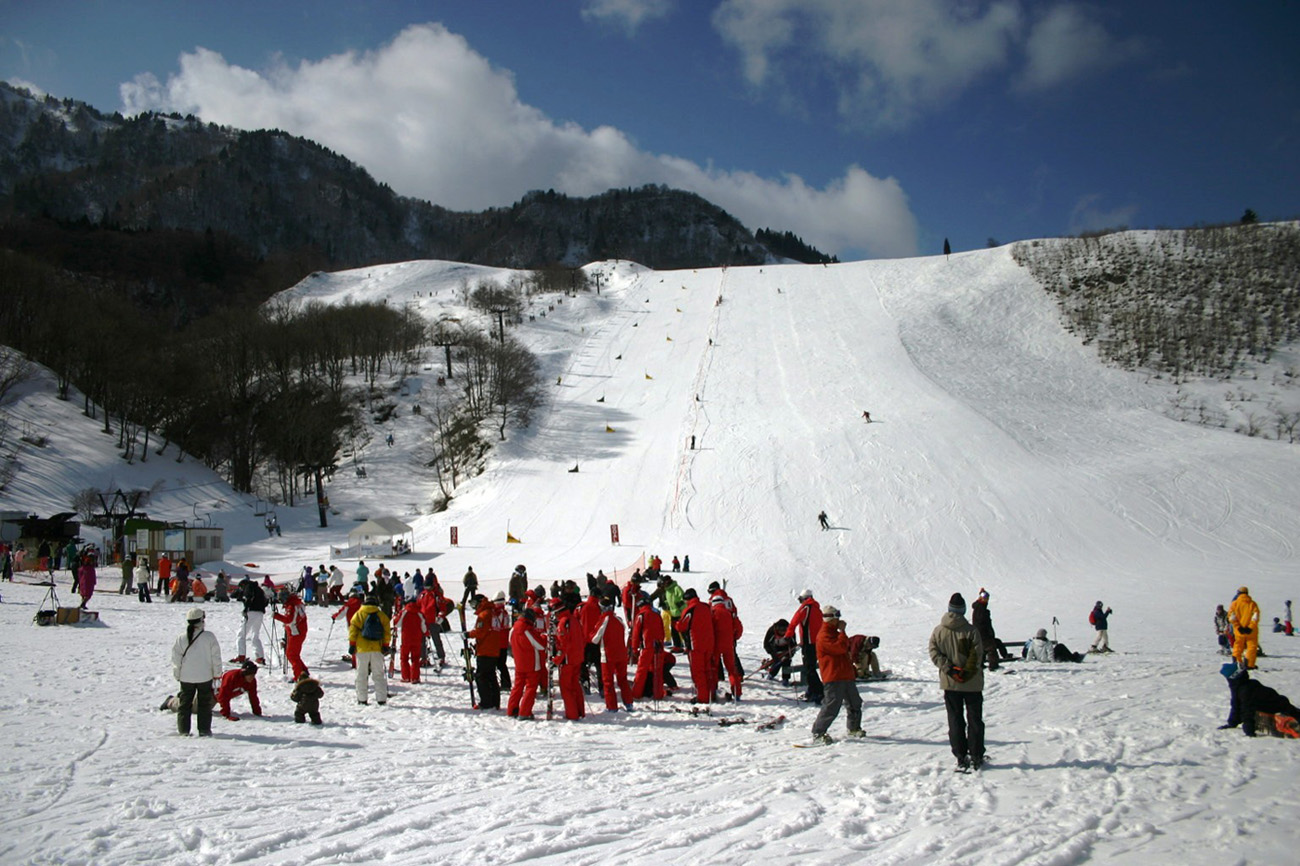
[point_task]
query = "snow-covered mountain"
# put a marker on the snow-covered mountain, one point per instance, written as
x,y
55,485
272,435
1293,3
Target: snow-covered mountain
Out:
x,y
714,413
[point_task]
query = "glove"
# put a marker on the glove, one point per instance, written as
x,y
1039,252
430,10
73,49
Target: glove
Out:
x,y
386,650
956,673
1246,630
352,649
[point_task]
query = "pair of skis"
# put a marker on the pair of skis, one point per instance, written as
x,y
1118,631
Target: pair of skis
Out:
x,y
469,659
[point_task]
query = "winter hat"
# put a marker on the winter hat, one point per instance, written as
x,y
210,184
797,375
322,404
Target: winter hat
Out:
x,y
370,599
690,593
830,611
249,668
501,596
957,604
1243,591
984,594
806,594
1232,671
1041,634
713,587
195,615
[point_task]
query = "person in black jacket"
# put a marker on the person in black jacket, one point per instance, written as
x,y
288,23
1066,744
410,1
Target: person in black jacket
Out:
x,y
994,649
1250,697
306,695
780,650
254,600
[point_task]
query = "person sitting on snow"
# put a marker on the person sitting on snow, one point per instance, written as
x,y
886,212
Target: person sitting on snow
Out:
x,y
1251,697
1039,649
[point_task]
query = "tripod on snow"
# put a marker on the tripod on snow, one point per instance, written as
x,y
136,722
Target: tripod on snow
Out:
x,y
51,596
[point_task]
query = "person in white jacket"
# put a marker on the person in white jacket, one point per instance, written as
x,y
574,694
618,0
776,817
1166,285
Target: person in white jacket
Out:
x,y
196,662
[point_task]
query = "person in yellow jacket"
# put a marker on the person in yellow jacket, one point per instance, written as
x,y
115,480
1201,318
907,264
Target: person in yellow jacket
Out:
x,y
369,643
1243,614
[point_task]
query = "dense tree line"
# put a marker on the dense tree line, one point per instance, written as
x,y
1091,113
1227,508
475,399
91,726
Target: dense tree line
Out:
x,y
788,245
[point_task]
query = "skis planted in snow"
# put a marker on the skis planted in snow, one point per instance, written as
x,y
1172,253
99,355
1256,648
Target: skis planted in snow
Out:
x,y
469,658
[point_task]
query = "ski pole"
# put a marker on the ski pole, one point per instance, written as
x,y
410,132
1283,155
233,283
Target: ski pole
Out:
x,y
326,648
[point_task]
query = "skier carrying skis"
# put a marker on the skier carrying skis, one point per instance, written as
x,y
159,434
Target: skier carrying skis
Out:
x,y
838,676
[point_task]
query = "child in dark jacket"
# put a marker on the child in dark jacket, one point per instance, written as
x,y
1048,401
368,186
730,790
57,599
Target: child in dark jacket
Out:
x,y
306,696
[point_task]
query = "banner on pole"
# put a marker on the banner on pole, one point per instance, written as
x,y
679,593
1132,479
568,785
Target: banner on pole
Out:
x,y
613,533
455,536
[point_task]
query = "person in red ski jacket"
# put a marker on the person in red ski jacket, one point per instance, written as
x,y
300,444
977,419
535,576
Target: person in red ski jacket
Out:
x,y
570,646
294,617
589,613
487,649
611,637
241,680
349,609
411,629
696,626
648,645
528,645
806,624
727,629
434,607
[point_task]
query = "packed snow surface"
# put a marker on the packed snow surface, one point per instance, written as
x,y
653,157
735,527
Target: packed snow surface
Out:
x,y
1001,454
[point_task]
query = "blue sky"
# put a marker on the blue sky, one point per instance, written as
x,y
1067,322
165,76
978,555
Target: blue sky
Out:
x,y
869,128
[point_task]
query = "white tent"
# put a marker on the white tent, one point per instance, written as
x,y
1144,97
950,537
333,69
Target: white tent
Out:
x,y
378,535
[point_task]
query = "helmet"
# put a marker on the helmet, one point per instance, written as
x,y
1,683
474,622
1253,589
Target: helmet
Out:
x,y
195,615
806,594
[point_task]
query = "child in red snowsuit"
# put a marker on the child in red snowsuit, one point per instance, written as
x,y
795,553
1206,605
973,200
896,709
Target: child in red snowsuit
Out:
x,y
528,645
696,625
294,617
412,629
648,644
610,636
234,683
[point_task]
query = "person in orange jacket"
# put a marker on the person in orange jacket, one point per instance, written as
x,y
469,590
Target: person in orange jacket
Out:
x,y
528,645
727,629
487,648
839,677
570,646
611,637
696,626
411,630
294,617
1243,614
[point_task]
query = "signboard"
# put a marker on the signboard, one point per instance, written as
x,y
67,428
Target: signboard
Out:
x,y
613,533
455,536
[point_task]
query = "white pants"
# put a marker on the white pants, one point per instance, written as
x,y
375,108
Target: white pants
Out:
x,y
1102,643
252,629
371,665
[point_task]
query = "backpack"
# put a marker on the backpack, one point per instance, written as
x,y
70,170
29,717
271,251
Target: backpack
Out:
x,y
373,627
1092,617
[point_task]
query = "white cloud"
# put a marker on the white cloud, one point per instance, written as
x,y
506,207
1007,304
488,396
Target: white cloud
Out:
x,y
1066,45
1086,216
627,15
432,118
893,60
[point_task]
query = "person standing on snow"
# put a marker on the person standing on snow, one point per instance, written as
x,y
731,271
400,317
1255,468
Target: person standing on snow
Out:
x,y
955,649
994,650
570,646
306,696
696,626
470,582
727,629
1100,620
412,630
838,676
142,580
805,626
648,645
369,640
254,600
610,638
824,521
196,662
294,617
1243,613
487,649
528,645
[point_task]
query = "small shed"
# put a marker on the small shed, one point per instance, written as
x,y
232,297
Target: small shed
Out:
x,y
377,536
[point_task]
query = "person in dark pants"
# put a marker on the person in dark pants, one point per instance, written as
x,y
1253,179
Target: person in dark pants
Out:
x,y
1250,697
196,662
955,649
805,625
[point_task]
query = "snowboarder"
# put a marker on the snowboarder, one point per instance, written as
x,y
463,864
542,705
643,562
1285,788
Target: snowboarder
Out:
x,y
306,696
196,662
824,521
838,677
956,651
804,627
1243,614
1251,697
1100,620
